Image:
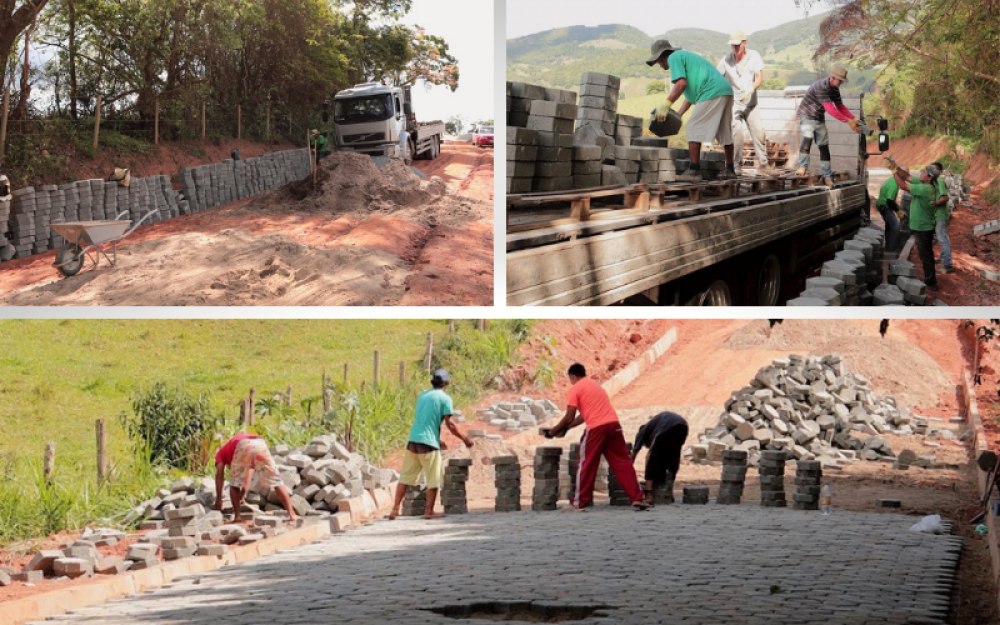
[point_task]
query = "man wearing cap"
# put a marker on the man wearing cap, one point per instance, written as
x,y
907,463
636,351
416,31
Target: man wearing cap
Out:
x,y
423,451
922,221
744,69
822,97
705,89
318,143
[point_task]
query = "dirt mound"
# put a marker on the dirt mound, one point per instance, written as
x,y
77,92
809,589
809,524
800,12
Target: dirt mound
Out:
x,y
232,268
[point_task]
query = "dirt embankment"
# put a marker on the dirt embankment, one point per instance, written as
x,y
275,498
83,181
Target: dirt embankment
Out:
x,y
358,236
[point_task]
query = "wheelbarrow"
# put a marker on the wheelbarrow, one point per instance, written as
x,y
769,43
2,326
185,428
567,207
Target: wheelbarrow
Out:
x,y
84,240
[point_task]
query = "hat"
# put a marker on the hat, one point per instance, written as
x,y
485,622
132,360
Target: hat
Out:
x,y
657,50
932,171
839,72
314,131
737,37
441,376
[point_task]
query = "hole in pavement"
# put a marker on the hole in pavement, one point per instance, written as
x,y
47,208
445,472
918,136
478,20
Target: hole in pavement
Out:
x,y
523,611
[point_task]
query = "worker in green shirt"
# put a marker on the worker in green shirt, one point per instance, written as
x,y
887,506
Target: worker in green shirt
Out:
x,y
922,220
889,209
317,142
709,92
942,215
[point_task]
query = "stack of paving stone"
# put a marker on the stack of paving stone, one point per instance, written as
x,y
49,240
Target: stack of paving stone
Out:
x,y
545,494
901,269
453,496
6,248
43,211
414,501
616,493
808,475
809,406
734,475
553,121
627,160
587,166
516,416
712,164
914,291
507,479
696,494
772,479
627,129
568,481
22,221
522,156
599,102
888,295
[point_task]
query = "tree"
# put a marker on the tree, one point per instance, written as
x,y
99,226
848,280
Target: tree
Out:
x,y
14,19
455,125
775,84
656,86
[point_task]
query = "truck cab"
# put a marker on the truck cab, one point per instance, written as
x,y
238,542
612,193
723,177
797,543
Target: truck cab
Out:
x,y
370,118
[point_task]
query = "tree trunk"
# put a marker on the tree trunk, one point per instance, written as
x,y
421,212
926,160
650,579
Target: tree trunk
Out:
x,y
71,5
21,112
12,22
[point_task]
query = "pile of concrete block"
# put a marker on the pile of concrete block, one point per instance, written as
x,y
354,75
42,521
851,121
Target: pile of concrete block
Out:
x,y
809,406
550,114
853,276
888,295
616,493
588,166
414,501
567,477
772,478
7,250
507,479
808,478
627,160
520,415
21,221
545,494
599,101
453,495
522,156
696,494
734,475
627,127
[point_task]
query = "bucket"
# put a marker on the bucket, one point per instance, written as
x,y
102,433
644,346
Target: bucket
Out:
x,y
667,128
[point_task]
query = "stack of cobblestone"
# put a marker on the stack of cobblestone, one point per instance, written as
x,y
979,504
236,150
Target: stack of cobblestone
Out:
x,y
627,128
545,495
599,101
7,250
522,156
888,295
772,479
696,494
616,493
734,475
549,113
808,478
414,501
587,166
516,416
567,481
663,494
507,478
453,495
809,406
914,290
627,160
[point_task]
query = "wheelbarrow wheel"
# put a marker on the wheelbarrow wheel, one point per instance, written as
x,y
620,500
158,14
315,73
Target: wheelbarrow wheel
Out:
x,y
70,259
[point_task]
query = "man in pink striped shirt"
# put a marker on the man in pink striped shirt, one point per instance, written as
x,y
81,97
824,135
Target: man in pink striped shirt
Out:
x,y
822,97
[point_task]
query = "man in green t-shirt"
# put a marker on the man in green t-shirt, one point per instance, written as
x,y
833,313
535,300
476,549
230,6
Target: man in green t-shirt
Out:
x,y
423,451
318,143
922,219
889,209
942,215
709,92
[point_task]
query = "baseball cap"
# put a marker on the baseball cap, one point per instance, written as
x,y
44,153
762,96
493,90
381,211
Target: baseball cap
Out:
x,y
442,376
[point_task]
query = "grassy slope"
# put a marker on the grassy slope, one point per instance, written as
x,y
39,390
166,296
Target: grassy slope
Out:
x,y
59,376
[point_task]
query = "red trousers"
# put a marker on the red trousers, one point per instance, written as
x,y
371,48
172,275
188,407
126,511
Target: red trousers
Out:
x,y
604,440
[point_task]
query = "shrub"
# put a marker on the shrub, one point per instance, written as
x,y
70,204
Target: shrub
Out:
x,y
656,86
171,427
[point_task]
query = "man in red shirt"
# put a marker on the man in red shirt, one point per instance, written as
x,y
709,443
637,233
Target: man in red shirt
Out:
x,y
248,457
587,402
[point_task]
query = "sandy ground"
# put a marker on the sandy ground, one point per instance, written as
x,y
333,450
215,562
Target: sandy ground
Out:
x,y
361,237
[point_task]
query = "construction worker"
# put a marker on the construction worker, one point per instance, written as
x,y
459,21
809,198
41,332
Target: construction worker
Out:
x,y
942,215
251,468
889,209
664,435
922,221
318,143
822,97
706,90
423,451
587,402
744,69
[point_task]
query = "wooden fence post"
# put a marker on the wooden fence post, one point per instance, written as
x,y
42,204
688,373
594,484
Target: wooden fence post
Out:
x,y
203,121
327,399
429,352
347,367
3,123
49,462
451,326
481,325
97,121
378,368
288,395
267,131
239,124
251,409
402,373
243,412
102,460
156,123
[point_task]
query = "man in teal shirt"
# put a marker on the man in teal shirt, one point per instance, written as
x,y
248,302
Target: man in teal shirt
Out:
x,y
711,95
942,215
888,208
922,221
423,451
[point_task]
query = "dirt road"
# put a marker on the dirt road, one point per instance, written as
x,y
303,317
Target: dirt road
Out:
x,y
401,241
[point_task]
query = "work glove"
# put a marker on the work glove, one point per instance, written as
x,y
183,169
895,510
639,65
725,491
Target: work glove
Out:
x,y
854,124
663,110
745,96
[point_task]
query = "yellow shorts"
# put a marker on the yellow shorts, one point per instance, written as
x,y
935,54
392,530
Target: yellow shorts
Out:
x,y
414,464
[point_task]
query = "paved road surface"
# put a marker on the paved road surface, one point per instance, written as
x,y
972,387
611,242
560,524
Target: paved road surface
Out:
x,y
676,564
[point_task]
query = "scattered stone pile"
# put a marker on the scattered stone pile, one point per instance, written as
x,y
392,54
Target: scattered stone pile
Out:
x,y
734,475
545,494
517,416
453,495
507,479
808,478
772,479
809,407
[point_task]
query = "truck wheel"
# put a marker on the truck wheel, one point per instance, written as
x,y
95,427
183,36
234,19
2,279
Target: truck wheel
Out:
x,y
769,281
437,148
716,295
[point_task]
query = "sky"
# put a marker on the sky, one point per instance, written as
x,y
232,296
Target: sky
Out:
x,y
526,17
467,27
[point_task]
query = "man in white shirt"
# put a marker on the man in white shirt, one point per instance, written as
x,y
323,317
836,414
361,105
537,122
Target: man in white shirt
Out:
x,y
744,69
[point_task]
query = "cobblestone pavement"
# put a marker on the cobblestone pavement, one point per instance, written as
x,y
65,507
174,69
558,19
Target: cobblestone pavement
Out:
x,y
676,564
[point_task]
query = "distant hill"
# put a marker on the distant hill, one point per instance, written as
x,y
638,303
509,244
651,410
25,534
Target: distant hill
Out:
x,y
557,58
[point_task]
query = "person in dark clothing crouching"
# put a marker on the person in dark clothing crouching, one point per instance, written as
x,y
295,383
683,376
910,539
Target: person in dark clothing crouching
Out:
x,y
664,435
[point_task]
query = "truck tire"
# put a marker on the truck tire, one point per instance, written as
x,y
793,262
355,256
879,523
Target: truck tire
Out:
x,y
717,294
769,281
436,148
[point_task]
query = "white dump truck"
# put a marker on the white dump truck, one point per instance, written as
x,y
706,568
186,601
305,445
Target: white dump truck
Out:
x,y
378,120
